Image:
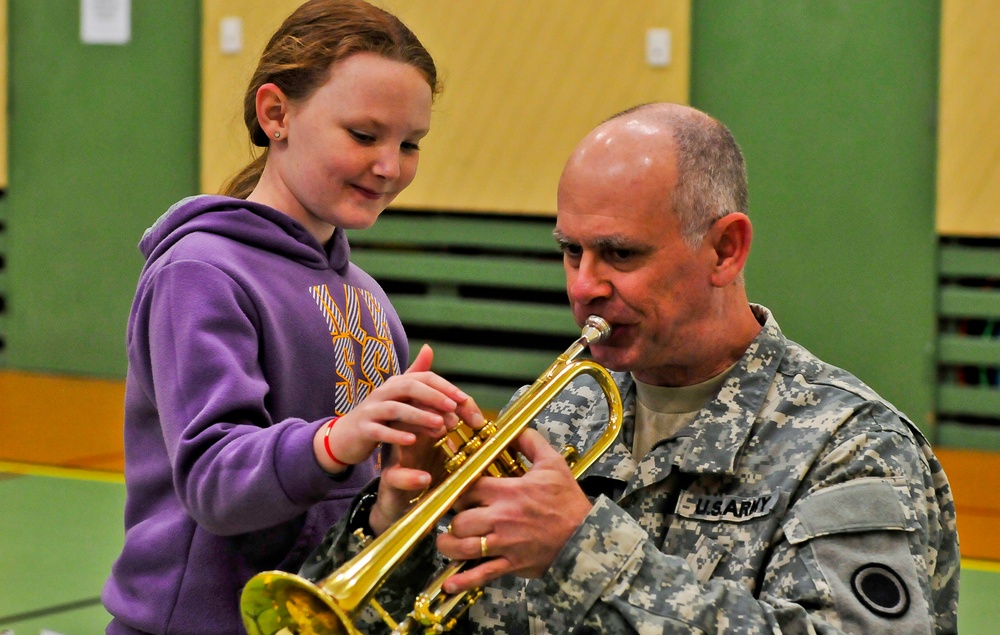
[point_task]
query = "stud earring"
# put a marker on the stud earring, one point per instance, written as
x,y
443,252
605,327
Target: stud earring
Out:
x,y
277,134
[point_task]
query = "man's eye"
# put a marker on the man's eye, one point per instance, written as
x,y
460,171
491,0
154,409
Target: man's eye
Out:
x,y
361,137
571,250
622,254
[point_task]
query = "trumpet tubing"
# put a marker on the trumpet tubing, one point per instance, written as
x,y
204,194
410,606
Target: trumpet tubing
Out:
x,y
276,600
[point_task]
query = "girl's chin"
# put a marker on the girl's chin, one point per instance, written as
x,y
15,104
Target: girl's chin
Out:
x,y
359,219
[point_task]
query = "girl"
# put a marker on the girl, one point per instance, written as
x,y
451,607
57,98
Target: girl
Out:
x,y
264,367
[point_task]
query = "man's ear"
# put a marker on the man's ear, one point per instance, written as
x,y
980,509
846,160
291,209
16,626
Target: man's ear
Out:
x,y
272,109
730,238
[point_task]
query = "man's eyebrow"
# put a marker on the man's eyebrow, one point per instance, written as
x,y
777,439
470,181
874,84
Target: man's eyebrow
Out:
x,y
614,241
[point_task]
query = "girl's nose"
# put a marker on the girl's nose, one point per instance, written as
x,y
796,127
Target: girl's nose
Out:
x,y
387,164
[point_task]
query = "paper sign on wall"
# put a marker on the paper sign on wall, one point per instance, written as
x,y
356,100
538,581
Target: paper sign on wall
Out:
x,y
105,21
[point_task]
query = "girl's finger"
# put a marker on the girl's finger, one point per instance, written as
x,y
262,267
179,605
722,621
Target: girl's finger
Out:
x,y
422,362
422,365
425,389
407,415
406,479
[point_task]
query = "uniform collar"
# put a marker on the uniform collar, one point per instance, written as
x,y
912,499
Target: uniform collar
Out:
x,y
721,429
712,442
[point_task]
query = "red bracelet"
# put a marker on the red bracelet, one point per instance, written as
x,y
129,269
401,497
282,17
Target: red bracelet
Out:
x,y
326,443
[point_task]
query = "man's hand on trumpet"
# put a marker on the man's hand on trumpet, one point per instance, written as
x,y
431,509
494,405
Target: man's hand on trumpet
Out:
x,y
517,525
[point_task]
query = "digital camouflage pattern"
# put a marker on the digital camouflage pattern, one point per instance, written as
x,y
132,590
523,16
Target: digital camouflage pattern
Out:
x,y
797,501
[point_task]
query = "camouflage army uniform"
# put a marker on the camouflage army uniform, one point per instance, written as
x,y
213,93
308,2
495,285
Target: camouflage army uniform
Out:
x,y
797,501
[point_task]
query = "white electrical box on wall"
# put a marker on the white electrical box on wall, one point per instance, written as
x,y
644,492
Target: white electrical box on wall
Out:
x,y
105,21
231,35
658,48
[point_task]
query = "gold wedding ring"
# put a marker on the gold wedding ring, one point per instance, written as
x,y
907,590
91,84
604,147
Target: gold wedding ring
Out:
x,y
482,546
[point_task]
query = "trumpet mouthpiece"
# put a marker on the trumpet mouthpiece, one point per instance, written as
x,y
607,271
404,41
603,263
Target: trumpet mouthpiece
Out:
x,y
596,329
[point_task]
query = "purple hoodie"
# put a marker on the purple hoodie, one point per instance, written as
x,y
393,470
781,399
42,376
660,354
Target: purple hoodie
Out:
x,y
245,337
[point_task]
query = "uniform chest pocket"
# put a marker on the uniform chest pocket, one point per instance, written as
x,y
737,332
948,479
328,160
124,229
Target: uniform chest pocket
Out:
x,y
708,529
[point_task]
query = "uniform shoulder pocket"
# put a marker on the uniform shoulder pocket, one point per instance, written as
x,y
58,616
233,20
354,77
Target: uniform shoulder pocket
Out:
x,y
854,541
864,504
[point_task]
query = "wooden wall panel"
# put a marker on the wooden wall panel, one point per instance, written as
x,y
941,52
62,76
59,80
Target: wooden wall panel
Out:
x,y
524,81
968,179
224,143
975,484
70,422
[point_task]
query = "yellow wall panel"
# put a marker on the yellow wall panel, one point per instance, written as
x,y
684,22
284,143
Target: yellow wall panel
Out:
x,y
968,188
225,144
524,81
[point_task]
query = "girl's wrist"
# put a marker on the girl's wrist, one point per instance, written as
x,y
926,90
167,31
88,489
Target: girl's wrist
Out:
x,y
326,451
326,444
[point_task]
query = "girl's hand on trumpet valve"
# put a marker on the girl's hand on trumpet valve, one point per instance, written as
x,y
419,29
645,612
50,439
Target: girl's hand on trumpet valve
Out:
x,y
434,406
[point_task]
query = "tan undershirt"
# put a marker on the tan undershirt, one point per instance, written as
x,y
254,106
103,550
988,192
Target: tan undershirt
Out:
x,y
661,411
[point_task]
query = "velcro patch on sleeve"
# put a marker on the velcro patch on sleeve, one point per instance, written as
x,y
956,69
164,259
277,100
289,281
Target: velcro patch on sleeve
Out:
x,y
864,504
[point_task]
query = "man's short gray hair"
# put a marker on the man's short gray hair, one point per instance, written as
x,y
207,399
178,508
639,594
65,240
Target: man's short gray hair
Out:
x,y
711,171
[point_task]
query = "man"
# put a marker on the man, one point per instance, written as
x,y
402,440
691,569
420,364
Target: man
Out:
x,y
754,489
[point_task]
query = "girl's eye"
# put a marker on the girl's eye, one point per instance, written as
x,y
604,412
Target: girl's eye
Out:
x,y
409,146
361,137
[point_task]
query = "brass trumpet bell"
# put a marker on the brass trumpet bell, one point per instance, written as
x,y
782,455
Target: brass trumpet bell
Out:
x,y
275,602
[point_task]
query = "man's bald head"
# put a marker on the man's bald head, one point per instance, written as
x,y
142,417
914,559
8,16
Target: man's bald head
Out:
x,y
700,165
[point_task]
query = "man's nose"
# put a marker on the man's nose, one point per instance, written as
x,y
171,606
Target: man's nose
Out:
x,y
589,281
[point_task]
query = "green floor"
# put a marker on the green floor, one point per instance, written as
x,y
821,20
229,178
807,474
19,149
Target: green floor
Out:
x,y
58,537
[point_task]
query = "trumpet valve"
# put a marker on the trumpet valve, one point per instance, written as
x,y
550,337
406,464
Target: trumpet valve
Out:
x,y
489,429
571,454
444,444
479,437
466,443
466,438
455,462
509,465
464,432
457,445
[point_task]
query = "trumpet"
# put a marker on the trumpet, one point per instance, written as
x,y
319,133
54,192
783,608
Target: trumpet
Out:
x,y
280,602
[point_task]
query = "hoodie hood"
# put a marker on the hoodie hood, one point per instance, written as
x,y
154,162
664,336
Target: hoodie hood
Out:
x,y
249,223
